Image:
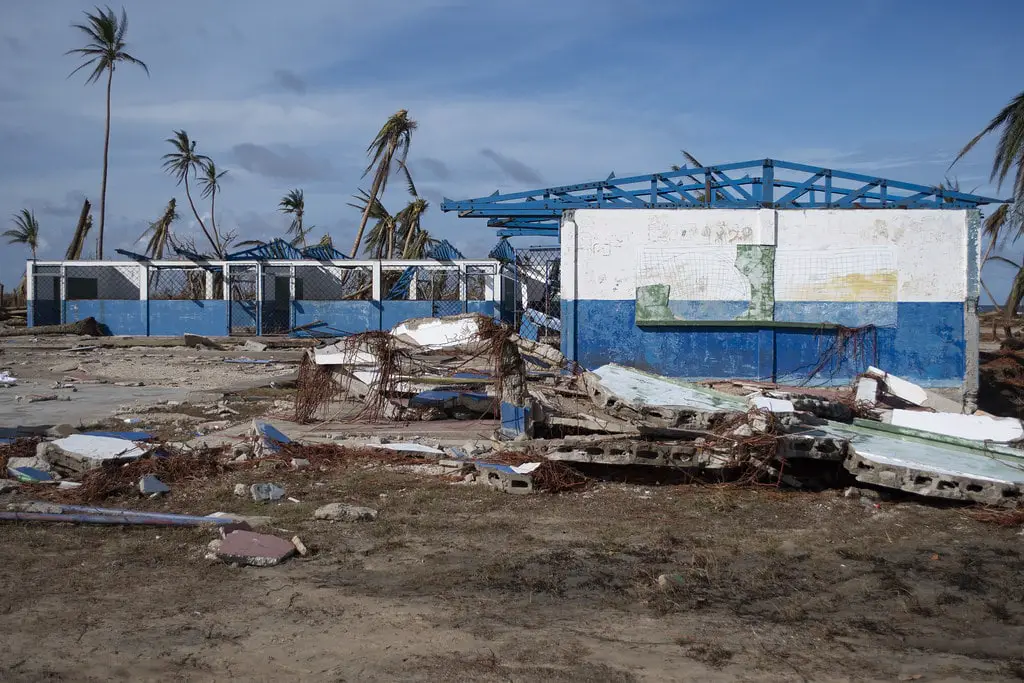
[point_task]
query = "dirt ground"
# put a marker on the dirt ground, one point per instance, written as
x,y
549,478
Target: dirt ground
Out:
x,y
456,582
463,583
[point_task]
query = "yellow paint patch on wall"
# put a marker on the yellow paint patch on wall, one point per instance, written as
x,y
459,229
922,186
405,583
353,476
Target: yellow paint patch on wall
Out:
x,y
878,286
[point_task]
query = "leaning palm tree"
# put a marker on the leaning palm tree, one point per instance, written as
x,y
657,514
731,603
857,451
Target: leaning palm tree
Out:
x,y
210,182
105,49
182,163
390,145
294,203
25,231
381,238
159,231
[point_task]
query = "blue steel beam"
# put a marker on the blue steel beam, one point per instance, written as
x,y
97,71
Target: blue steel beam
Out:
x,y
528,232
712,186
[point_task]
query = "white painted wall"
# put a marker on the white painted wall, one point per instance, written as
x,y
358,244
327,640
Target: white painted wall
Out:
x,y
602,248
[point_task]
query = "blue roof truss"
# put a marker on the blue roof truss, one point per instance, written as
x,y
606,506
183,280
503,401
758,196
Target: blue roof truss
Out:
x,y
763,183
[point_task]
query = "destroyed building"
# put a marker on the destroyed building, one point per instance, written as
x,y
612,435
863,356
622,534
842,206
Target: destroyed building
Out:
x,y
783,280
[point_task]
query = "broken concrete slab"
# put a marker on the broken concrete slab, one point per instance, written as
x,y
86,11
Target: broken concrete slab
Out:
x,y
772,405
254,549
505,478
253,345
932,468
8,485
194,340
266,438
30,475
264,493
79,453
913,394
150,485
439,333
867,391
37,462
971,427
343,512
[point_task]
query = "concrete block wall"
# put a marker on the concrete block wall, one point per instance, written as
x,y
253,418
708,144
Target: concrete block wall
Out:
x,y
762,294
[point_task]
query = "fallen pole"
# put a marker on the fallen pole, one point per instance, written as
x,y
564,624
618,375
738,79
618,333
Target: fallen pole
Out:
x,y
84,514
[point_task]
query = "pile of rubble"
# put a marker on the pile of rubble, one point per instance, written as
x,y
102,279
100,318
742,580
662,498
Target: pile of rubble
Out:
x,y
552,426
884,431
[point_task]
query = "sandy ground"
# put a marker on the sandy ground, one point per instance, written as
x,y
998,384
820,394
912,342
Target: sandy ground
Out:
x,y
458,582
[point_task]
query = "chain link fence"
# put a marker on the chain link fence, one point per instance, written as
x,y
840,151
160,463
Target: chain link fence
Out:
x,y
102,283
333,283
181,284
275,308
243,289
46,298
537,298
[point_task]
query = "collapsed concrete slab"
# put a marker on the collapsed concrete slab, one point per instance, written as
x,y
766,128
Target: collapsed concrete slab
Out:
x,y
80,453
931,468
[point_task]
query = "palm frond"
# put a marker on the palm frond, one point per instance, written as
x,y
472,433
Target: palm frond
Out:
x,y
105,33
210,179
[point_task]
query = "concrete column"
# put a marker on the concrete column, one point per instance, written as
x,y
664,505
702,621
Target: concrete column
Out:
x,y
377,282
209,284
462,282
143,282
30,293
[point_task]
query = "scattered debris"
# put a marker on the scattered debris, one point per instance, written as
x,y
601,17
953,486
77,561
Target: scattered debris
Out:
x,y
254,549
198,341
253,345
150,485
300,547
343,512
264,493
266,438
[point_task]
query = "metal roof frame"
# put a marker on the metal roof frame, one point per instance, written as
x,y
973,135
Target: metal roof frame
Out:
x,y
765,183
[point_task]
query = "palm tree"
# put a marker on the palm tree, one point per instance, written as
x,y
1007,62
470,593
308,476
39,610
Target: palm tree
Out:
x,y
210,182
1009,158
409,219
392,139
380,240
25,231
77,243
183,162
294,203
159,231
106,47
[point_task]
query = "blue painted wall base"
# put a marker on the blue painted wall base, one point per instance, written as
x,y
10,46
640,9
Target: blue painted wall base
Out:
x,y
926,346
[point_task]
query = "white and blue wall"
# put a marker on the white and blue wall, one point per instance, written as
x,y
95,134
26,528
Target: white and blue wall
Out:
x,y
336,297
836,290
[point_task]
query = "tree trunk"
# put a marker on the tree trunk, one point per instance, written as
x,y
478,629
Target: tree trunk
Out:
x,y
213,214
106,153
216,247
366,212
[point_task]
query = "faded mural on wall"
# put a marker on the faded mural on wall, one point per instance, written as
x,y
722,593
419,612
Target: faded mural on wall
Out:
x,y
756,283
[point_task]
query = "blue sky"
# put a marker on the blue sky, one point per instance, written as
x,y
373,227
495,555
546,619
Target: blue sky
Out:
x,y
508,96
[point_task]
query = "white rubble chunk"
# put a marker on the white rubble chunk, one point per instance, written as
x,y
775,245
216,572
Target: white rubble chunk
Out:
x,y
867,391
439,333
899,387
971,427
772,405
